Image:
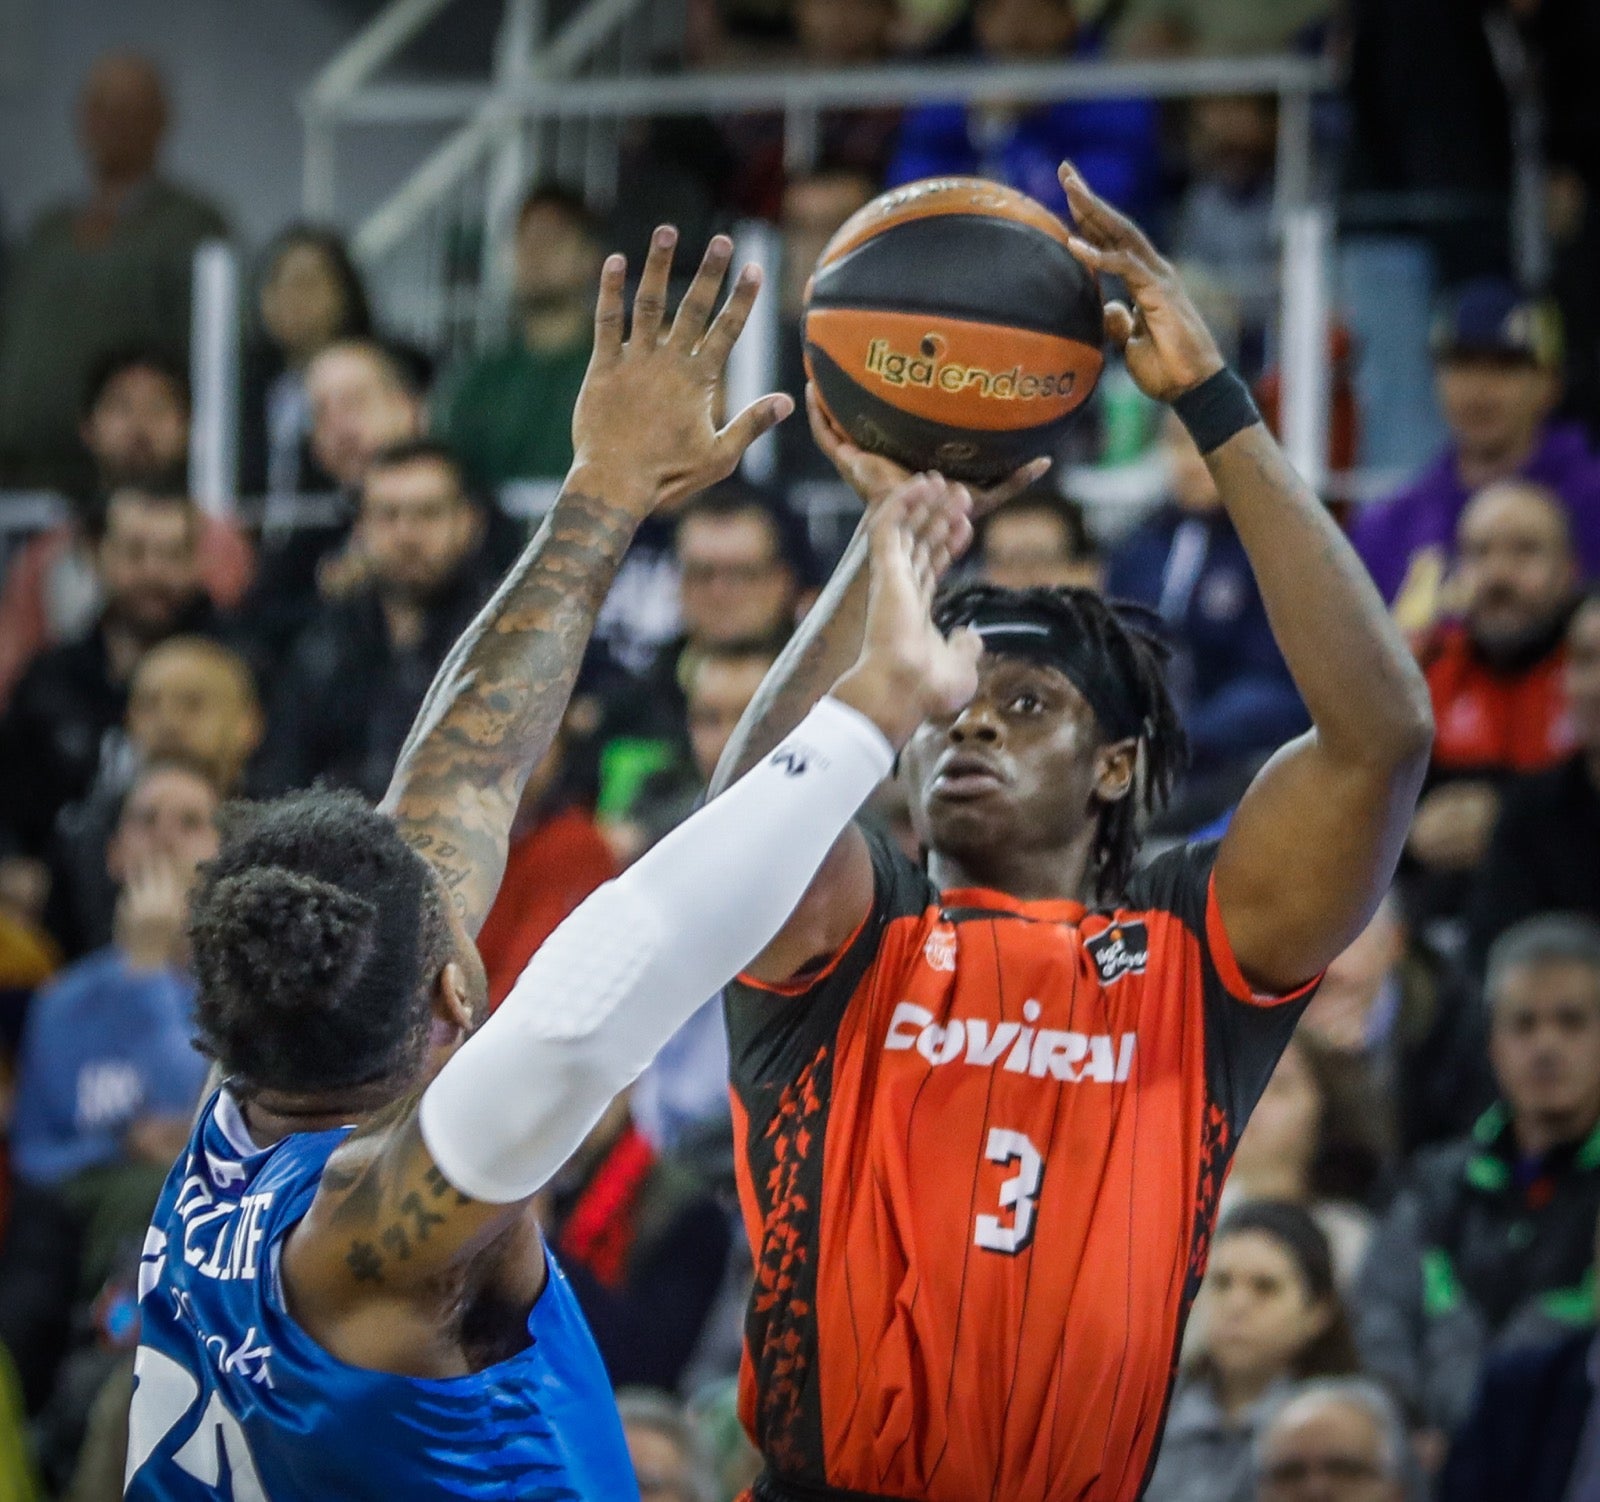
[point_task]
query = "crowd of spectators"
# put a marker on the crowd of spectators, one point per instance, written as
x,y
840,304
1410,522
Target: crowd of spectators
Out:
x,y
1402,1289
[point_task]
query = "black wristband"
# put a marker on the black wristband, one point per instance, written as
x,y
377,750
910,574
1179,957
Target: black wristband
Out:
x,y
1216,409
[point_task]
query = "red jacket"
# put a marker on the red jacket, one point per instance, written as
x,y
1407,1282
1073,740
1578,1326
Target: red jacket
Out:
x,y
549,871
1486,720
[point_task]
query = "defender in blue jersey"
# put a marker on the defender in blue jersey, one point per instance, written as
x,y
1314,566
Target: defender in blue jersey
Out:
x,y
345,1293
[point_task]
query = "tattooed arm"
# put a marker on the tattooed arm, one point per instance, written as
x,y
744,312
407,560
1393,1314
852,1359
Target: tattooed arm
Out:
x,y
385,1224
644,435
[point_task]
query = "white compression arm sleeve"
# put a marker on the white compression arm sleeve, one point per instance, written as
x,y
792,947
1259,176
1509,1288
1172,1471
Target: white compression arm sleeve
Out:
x,y
625,971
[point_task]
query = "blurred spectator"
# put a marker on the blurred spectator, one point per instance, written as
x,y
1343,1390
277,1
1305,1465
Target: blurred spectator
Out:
x,y
736,1462
1496,681
366,396
1344,418
1238,701
509,414
1409,1024
1495,358
1312,1142
1334,1440
135,427
108,1069
669,1460
1429,154
1534,1431
1545,852
356,677
109,1077
1565,37
190,698
94,275
1225,219
829,34
1218,28
75,693
843,33
738,570
1039,540
645,1247
557,857
1273,1318
310,296
718,681
1112,142
1491,1242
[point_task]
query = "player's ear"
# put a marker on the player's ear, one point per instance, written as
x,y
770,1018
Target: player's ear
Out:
x,y
452,1006
1115,766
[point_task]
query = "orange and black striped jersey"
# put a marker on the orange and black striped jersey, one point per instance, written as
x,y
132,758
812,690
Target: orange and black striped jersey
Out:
x,y
979,1161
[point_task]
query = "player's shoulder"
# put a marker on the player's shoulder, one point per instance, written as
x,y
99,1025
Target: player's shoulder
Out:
x,y
1175,884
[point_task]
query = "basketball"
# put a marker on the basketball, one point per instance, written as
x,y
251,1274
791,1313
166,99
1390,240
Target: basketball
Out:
x,y
948,327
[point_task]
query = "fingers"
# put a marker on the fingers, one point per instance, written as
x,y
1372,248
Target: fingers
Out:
x,y
650,301
1119,324
758,418
724,333
1098,221
1013,485
694,312
608,309
1106,241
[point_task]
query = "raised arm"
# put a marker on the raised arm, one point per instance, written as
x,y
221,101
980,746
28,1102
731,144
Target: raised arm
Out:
x,y
403,1202
1314,844
826,643
644,434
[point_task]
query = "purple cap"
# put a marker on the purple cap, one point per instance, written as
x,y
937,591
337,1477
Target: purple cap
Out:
x,y
1489,316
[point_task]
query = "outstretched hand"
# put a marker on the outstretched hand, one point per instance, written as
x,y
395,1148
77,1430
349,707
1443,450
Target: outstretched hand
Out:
x,y
908,669
647,412
874,478
1163,339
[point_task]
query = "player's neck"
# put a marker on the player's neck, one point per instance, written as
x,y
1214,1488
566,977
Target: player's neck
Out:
x,y
271,1117
1027,875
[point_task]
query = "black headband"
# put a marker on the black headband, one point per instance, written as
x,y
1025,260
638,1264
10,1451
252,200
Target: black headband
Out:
x,y
1042,639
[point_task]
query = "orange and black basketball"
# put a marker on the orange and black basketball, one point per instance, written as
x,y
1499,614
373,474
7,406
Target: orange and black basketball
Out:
x,y
948,327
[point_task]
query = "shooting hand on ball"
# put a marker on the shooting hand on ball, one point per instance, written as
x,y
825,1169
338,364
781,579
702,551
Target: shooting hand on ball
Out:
x,y
646,416
908,669
1163,339
875,478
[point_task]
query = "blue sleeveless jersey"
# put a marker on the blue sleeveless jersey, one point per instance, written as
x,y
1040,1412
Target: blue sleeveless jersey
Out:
x,y
234,1400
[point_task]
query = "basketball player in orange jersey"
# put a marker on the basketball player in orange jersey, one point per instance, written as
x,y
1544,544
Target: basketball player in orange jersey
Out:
x,y
984,1108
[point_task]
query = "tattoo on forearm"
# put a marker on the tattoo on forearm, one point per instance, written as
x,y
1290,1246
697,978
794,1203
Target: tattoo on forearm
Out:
x,y
498,700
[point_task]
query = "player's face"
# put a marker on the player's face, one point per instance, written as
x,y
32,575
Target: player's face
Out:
x,y
1545,1042
1017,769
1262,1314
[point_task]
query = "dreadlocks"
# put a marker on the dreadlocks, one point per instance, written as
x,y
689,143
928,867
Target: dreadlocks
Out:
x,y
1114,653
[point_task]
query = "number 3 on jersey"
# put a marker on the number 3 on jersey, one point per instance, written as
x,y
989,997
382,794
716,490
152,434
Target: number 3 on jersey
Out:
x,y
1019,1194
